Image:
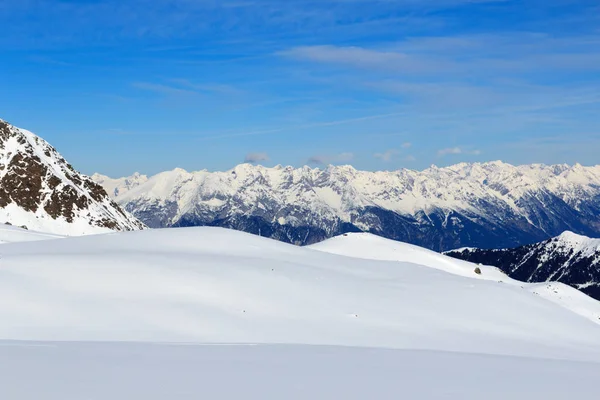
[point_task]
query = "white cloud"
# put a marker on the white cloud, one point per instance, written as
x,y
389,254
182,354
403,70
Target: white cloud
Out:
x,y
450,150
386,156
368,58
256,157
406,145
458,150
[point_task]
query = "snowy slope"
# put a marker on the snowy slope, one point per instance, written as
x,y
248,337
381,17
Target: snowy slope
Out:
x,y
214,285
569,258
483,205
13,234
371,247
134,371
40,190
220,314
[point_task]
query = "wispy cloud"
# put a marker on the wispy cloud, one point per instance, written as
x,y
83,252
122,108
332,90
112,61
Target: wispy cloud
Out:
x,y
187,87
216,88
112,21
450,150
387,155
360,57
457,150
464,72
301,126
256,157
482,54
161,88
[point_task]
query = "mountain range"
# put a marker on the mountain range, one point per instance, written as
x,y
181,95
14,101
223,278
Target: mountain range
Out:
x,y
40,190
569,258
164,313
486,205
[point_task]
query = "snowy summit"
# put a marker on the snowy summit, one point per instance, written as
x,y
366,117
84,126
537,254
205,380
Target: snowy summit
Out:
x,y
39,190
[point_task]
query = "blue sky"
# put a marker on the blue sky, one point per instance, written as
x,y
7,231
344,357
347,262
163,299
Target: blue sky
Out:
x,y
150,85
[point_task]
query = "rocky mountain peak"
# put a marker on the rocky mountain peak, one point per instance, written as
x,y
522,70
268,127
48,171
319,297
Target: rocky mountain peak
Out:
x,y
41,190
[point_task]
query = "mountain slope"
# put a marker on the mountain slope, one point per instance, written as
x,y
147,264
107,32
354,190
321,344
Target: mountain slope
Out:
x,y
173,313
212,285
13,234
569,258
371,247
40,190
481,205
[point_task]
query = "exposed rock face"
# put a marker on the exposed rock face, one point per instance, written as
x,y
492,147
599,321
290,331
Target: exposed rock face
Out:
x,y
40,190
490,205
569,258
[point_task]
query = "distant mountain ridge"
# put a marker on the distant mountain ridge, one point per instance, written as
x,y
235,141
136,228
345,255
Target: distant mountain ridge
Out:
x,y
40,190
569,258
489,205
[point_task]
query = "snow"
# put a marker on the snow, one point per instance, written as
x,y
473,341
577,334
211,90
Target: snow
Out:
x,y
120,186
126,371
581,245
42,222
13,234
371,247
221,286
215,313
567,297
92,218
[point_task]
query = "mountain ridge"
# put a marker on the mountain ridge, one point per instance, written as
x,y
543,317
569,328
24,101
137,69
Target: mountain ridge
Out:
x,y
491,204
569,258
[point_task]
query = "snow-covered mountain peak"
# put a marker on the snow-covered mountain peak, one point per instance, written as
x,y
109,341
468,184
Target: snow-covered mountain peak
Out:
x,y
40,190
578,243
571,237
491,202
118,187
